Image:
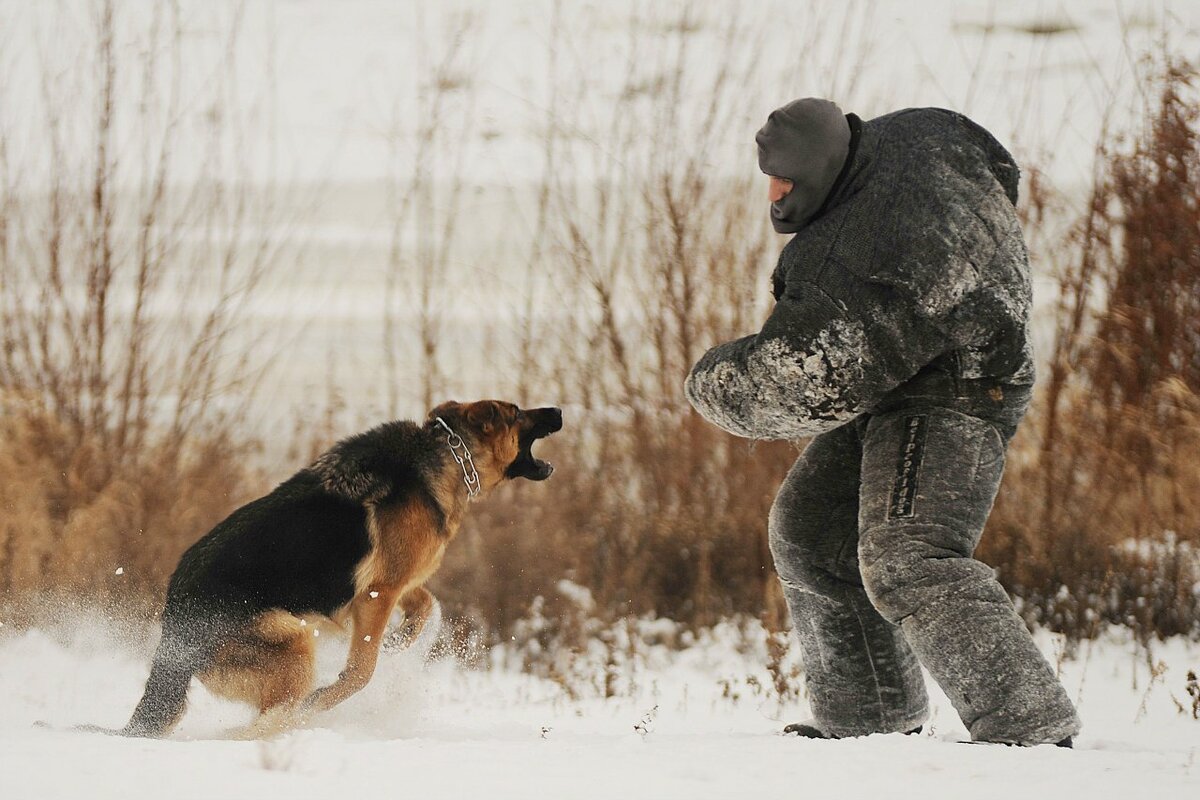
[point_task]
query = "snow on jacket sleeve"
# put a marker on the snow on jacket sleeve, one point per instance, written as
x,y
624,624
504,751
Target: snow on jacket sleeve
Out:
x,y
815,364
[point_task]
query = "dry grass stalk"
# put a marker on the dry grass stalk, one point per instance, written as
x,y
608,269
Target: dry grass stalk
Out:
x,y
121,299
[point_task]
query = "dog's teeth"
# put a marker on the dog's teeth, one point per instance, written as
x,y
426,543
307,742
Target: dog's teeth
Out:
x,y
374,595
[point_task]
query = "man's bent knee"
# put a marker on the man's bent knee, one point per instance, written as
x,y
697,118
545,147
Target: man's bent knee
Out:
x,y
911,568
794,563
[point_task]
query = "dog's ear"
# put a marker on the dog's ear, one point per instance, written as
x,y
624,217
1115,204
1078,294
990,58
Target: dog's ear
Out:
x,y
446,409
483,416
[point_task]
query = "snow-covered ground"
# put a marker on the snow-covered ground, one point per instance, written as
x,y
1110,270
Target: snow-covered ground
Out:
x,y
696,723
325,100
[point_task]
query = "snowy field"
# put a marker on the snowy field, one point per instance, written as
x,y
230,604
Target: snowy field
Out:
x,y
695,723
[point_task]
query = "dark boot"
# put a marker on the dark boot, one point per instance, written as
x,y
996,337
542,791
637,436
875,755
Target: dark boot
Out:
x,y
1067,743
807,731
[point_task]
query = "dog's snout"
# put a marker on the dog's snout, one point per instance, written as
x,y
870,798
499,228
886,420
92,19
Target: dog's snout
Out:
x,y
544,421
554,419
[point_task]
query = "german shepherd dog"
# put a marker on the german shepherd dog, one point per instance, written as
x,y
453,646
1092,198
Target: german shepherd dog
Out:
x,y
348,538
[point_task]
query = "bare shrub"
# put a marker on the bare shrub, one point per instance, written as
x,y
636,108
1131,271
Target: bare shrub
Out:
x,y
649,260
1099,521
76,524
124,283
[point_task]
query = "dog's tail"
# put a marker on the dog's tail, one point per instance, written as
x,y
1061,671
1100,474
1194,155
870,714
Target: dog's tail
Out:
x,y
162,703
181,654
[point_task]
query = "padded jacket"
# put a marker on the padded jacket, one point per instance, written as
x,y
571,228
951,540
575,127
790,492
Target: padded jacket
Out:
x,y
910,285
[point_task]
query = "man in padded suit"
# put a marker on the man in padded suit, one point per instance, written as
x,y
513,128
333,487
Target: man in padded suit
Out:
x,y
899,341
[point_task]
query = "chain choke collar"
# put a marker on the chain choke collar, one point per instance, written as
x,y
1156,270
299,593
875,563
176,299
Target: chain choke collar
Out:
x,y
458,449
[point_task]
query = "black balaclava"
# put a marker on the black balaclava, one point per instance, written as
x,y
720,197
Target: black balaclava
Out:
x,y
807,142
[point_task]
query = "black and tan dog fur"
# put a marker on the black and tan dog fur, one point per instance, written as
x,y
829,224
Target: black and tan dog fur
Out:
x,y
347,539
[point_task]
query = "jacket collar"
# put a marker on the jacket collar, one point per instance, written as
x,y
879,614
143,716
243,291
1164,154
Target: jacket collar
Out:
x,y
843,177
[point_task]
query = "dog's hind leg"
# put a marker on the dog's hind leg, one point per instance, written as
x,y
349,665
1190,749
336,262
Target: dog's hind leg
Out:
x,y
175,662
270,666
289,672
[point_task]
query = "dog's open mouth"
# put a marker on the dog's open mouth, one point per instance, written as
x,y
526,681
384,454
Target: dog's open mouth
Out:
x,y
541,423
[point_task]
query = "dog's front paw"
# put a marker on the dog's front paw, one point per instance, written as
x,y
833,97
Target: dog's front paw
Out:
x,y
408,633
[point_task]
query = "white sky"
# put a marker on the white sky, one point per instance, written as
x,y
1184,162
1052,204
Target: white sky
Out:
x,y
324,82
